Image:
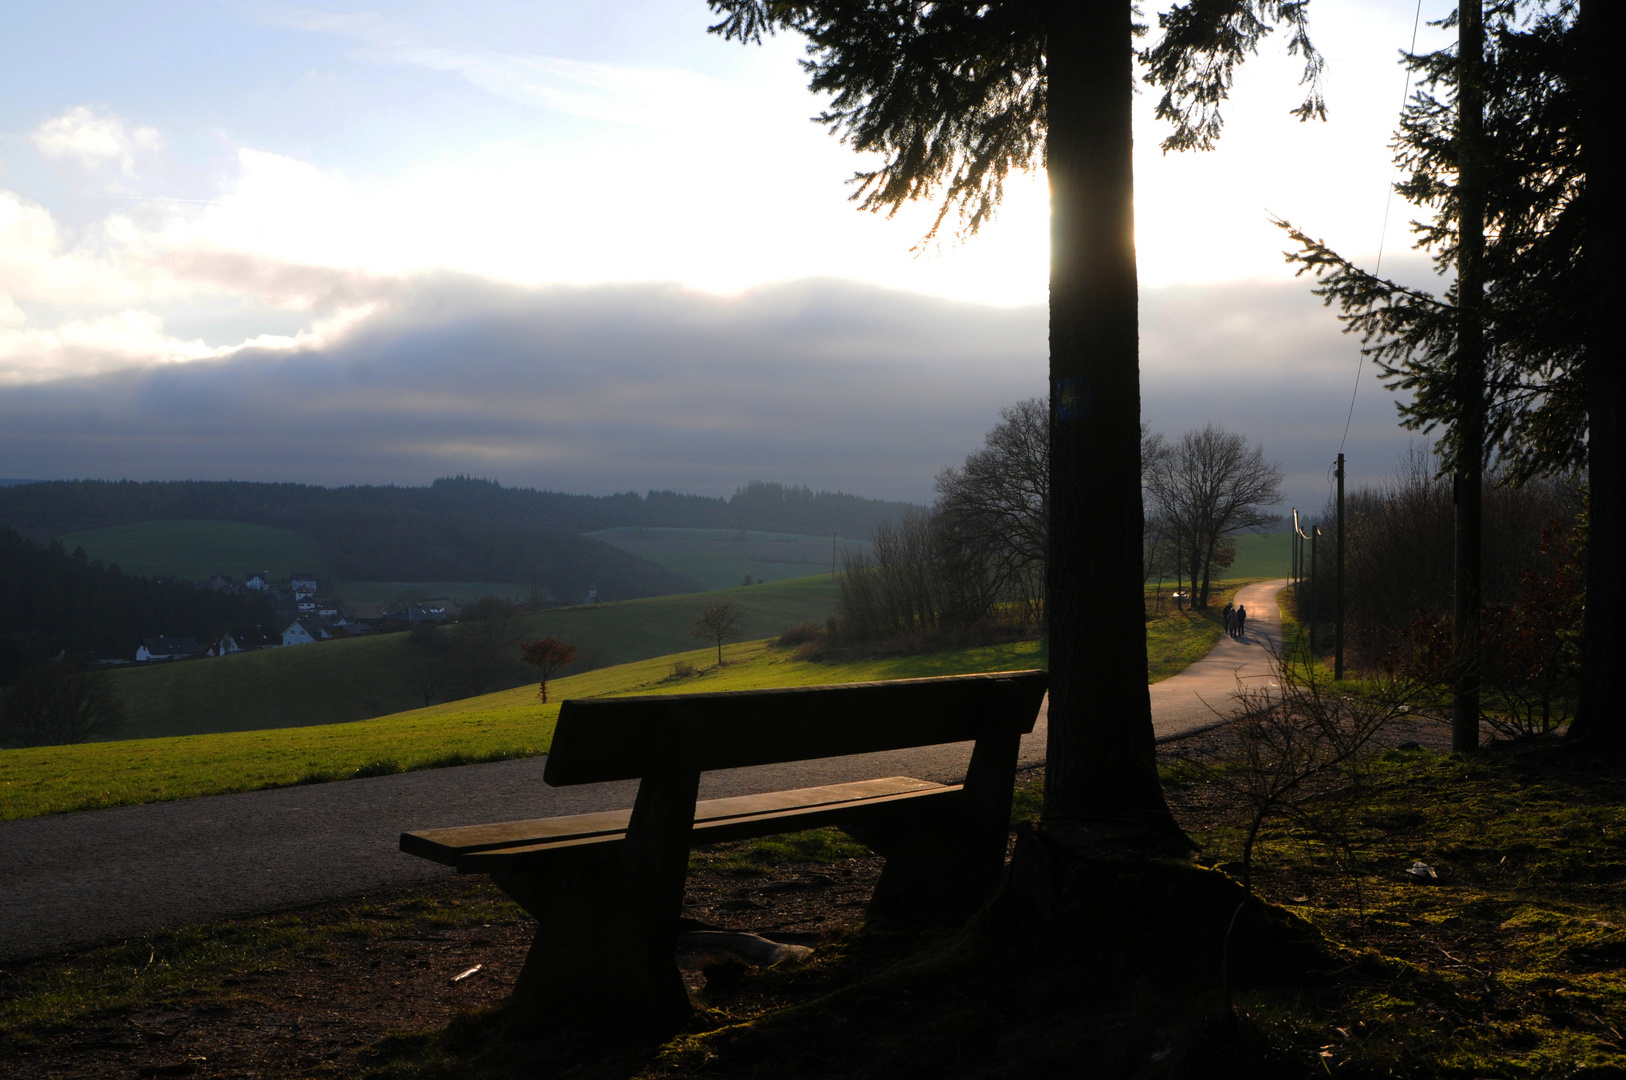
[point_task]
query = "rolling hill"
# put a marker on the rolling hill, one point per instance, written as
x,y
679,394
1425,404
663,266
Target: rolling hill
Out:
x,y
334,681
196,550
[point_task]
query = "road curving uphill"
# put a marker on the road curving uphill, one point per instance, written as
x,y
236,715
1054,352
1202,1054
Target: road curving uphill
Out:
x,y
73,880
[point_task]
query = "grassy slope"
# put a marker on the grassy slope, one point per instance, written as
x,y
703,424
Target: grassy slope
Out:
x,y
336,681
197,550
1176,639
720,559
458,592
511,723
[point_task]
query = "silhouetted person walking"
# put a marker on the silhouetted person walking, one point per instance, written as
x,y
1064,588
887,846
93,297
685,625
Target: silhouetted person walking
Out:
x,y
1241,621
1230,620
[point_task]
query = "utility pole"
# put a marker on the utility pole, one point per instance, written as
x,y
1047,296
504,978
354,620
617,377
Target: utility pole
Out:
x,y
1293,551
1467,482
1338,584
1315,531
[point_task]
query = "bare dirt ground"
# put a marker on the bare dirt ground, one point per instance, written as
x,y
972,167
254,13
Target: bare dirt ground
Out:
x,y
385,964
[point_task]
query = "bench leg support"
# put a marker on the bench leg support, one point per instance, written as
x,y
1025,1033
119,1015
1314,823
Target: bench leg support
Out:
x,y
941,868
605,948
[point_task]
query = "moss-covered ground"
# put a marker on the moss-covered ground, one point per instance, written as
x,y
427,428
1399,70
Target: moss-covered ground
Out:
x,y
1508,962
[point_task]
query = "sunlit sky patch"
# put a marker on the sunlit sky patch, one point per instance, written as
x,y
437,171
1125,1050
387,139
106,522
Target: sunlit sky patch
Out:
x,y
185,183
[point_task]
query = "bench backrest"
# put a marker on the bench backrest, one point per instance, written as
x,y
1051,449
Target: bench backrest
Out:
x,y
600,739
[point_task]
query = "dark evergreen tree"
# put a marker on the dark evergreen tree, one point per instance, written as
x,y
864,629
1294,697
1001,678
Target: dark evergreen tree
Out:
x,y
1599,718
954,96
1554,377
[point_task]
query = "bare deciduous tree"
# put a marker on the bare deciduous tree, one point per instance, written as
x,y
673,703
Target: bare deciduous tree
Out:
x,y
718,622
996,506
1211,485
57,704
485,634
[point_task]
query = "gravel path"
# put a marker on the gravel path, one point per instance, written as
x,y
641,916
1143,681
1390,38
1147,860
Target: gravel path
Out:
x,y
72,880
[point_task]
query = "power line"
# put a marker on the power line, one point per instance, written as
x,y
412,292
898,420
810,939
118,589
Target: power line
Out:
x,y
1383,235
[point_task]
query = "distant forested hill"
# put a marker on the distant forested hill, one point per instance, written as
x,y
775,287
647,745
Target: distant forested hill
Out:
x,y
456,529
55,507
51,601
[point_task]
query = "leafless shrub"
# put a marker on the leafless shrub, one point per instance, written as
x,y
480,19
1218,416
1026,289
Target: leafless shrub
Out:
x,y
1302,750
1399,540
800,634
56,704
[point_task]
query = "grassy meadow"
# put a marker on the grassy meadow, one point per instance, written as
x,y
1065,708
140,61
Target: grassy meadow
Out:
x,y
367,594
197,550
720,558
506,724
336,681
1176,639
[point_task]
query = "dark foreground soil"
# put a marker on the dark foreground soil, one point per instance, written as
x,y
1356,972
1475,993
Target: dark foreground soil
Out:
x,y
1508,963
315,991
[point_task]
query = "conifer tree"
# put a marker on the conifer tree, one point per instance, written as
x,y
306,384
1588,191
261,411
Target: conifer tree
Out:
x,y
956,95
1554,376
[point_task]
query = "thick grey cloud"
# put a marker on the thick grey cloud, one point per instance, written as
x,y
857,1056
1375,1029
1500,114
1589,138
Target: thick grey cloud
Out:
x,y
611,388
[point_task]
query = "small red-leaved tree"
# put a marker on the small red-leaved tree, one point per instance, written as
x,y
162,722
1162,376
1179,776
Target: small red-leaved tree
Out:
x,y
549,656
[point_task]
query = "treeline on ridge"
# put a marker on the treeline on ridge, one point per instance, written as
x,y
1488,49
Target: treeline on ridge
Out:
x,y
51,508
53,602
456,529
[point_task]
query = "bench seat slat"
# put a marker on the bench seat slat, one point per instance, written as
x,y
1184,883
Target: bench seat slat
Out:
x,y
447,846
714,831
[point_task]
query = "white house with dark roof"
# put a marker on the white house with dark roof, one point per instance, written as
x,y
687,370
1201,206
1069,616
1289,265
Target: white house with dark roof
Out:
x,y
304,632
168,648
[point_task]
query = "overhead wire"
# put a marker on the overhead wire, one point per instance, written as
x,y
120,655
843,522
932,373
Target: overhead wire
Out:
x,y
1383,235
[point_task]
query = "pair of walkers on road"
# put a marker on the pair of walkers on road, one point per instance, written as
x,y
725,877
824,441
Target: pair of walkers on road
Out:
x,y
1236,619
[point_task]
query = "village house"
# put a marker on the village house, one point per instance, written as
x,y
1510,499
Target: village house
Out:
x,y
169,648
304,632
243,641
433,611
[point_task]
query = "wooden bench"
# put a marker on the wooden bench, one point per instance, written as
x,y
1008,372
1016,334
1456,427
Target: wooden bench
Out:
x,y
607,888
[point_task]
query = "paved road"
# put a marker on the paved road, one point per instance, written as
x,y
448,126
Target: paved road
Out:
x,y
76,879
1195,698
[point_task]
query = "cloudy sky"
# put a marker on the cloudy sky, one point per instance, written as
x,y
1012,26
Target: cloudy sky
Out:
x,y
593,248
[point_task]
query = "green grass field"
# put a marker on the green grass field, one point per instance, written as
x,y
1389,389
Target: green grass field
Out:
x,y
1260,556
506,724
337,681
720,558
378,593
1176,639
197,550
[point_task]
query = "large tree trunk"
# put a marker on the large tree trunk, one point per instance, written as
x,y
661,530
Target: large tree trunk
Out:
x,y
1598,719
1199,599
1101,766
1468,481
